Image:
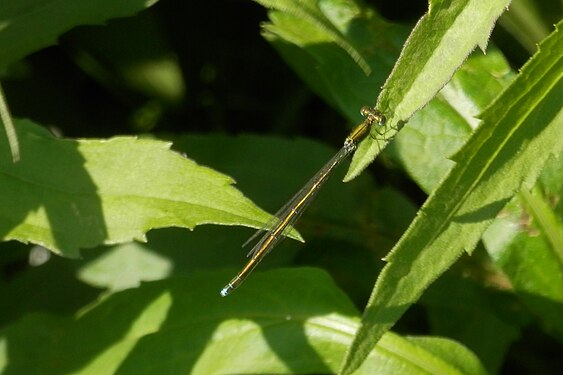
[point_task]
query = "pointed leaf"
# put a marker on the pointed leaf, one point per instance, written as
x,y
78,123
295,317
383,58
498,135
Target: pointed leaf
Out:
x,y
312,36
70,194
519,133
437,46
318,14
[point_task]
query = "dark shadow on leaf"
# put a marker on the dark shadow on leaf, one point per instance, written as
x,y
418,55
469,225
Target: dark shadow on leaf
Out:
x,y
70,345
49,179
278,312
483,213
180,325
39,289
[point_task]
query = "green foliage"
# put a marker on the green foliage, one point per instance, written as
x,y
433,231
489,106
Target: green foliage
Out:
x,y
433,135
29,25
481,260
309,332
526,243
492,165
437,46
309,47
72,194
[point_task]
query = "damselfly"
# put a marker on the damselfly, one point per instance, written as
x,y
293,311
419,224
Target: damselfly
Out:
x,y
284,219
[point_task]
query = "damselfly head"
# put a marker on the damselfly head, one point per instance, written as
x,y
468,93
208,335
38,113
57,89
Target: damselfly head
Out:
x,y
373,116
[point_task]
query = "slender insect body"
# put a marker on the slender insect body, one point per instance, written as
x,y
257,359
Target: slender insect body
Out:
x,y
284,219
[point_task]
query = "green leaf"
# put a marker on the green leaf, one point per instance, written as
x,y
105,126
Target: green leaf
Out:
x,y
437,46
485,320
519,133
526,243
358,217
316,37
29,25
70,194
22,294
436,132
458,357
43,329
319,14
125,266
182,326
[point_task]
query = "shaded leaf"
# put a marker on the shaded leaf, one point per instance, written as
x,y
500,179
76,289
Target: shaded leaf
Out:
x,y
187,327
526,243
525,23
39,289
29,25
131,54
322,16
487,321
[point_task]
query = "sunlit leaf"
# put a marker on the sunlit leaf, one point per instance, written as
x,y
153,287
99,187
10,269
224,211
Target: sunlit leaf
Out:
x,y
436,132
70,194
439,44
519,133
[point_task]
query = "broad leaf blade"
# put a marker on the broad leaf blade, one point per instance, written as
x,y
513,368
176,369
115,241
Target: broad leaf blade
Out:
x,y
187,328
328,225
68,194
318,14
437,46
29,25
317,50
519,133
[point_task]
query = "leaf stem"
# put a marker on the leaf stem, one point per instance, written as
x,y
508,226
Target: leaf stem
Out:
x,y
9,127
